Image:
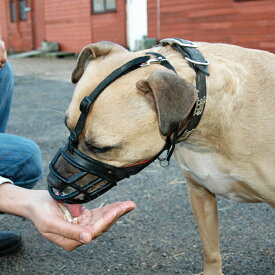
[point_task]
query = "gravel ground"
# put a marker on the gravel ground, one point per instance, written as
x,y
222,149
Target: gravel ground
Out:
x,y
159,237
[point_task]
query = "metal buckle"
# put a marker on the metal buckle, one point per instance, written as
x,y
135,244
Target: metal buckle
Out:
x,y
185,135
197,62
172,41
200,103
153,61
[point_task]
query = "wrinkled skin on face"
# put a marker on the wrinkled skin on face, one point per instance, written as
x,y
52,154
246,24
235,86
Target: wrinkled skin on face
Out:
x,y
131,118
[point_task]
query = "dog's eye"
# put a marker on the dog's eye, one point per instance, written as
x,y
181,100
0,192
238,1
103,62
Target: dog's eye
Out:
x,y
102,150
96,149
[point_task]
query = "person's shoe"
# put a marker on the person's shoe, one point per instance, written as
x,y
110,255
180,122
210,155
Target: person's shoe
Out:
x,y
10,241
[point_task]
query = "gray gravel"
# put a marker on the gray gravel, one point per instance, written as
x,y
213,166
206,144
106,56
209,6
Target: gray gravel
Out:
x,y
159,237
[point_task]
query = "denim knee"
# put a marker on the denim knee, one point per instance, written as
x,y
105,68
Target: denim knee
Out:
x,y
20,160
32,166
6,94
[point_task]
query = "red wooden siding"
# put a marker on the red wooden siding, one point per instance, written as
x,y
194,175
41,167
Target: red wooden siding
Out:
x,y
17,35
72,25
249,23
110,26
38,19
4,19
68,22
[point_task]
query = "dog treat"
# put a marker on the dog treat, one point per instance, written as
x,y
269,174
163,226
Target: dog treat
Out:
x,y
66,212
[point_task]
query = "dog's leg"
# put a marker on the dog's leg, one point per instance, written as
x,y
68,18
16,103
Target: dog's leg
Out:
x,y
204,206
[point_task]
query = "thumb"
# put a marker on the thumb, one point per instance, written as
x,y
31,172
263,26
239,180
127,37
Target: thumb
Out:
x,y
71,231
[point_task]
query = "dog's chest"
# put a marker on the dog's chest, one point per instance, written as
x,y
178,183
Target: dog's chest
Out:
x,y
204,168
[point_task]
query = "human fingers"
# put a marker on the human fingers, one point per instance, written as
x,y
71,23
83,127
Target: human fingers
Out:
x,y
3,54
102,219
118,209
2,63
126,205
71,231
98,222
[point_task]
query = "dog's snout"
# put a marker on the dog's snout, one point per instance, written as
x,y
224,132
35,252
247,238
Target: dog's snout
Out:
x,y
65,170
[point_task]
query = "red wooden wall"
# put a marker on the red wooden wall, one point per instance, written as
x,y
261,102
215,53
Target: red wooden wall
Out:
x,y
4,19
247,23
70,23
38,22
110,26
17,35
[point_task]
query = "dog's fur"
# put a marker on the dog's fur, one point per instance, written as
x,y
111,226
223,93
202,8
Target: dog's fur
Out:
x,y
232,151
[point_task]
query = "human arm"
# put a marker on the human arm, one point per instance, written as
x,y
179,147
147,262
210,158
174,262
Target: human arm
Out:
x,y
39,207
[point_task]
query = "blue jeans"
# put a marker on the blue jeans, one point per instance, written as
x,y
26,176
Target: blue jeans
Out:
x,y
20,158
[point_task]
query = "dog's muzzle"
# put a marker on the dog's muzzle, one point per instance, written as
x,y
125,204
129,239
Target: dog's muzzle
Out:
x,y
104,176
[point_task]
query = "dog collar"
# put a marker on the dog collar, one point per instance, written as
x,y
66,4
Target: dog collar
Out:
x,y
198,63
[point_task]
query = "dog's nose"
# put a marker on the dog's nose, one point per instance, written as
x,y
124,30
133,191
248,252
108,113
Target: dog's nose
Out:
x,y
55,183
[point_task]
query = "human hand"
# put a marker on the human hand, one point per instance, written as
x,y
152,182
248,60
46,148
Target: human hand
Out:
x,y
50,221
99,220
3,54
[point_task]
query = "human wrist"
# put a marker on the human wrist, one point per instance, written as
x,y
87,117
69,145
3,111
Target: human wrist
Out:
x,y
14,200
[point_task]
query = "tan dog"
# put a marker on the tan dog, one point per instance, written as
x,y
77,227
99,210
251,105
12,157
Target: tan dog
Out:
x,y
232,151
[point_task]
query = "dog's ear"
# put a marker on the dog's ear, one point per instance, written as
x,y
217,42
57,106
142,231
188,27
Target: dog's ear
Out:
x,y
93,51
172,97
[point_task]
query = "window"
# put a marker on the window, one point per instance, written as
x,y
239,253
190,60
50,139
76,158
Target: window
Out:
x,y
100,6
22,9
12,11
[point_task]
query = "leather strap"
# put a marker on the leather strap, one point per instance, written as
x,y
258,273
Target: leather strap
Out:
x,y
190,52
197,110
162,61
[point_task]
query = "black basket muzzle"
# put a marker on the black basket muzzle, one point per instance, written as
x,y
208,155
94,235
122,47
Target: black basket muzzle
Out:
x,y
106,176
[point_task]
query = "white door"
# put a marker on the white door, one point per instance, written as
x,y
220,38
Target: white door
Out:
x,y
136,21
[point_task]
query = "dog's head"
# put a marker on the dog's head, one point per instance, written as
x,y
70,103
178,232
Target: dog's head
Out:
x,y
131,119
